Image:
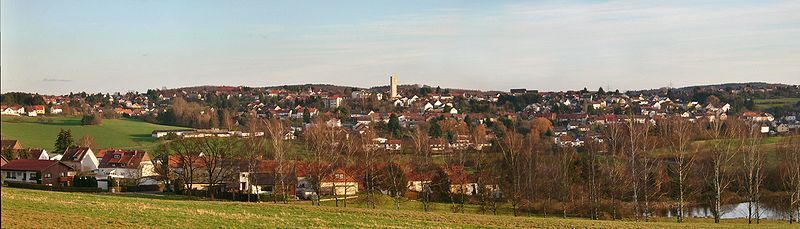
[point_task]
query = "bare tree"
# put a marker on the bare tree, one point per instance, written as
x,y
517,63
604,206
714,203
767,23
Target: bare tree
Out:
x,y
276,130
724,147
790,149
87,141
255,151
566,158
652,181
679,133
616,182
418,138
637,136
325,144
188,162
593,148
368,159
216,159
753,162
511,146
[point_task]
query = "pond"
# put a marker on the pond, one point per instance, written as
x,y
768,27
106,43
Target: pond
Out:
x,y
734,211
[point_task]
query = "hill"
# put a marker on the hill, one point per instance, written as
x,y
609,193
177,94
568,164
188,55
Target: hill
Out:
x,y
112,133
23,208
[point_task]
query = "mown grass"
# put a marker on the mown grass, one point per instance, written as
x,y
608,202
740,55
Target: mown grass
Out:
x,y
22,208
112,133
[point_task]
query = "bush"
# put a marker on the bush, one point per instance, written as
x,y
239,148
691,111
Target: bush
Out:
x,y
178,186
15,184
91,119
141,188
84,181
112,183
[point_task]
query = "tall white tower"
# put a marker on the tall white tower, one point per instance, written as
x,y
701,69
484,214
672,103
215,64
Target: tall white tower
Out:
x,y
393,83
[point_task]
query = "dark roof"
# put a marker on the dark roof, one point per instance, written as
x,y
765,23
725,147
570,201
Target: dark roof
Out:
x,y
31,165
9,144
35,153
268,178
75,153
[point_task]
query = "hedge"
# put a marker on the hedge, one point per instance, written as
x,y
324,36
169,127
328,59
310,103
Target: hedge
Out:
x,y
141,188
15,184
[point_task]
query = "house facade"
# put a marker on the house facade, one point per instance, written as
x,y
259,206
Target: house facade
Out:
x,y
80,158
339,182
127,164
38,171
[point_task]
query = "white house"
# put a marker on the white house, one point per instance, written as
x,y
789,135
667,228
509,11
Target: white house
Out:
x,y
127,164
80,158
56,110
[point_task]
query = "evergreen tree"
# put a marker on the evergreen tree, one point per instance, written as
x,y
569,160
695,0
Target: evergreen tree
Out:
x,y
394,125
440,185
306,115
63,141
601,91
436,129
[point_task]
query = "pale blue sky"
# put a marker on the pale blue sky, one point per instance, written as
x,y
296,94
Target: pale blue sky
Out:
x,y
107,46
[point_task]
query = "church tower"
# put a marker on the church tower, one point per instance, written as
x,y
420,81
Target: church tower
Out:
x,y
393,84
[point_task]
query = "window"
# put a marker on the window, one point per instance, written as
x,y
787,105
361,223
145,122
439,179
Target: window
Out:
x,y
48,175
116,156
339,176
8,174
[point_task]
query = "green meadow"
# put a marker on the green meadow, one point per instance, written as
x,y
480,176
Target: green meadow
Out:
x,y
22,208
768,103
41,132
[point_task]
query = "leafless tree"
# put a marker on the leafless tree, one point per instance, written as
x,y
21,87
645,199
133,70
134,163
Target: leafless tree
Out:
x,y
566,158
188,162
255,151
593,148
790,148
276,130
678,134
637,134
723,149
511,146
217,159
325,144
753,165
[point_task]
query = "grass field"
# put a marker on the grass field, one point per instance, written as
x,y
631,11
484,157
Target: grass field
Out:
x,y
112,133
22,208
767,103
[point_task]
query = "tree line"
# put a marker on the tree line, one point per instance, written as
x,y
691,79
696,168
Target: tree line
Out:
x,y
634,170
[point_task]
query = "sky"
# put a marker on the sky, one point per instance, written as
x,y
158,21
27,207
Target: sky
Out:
x,y
55,47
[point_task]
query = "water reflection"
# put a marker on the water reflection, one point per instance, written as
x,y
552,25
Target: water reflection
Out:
x,y
734,211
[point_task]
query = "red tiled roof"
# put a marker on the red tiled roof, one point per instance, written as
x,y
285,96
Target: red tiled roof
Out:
x,y
29,165
123,158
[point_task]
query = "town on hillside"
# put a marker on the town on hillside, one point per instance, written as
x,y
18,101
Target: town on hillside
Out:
x,y
587,153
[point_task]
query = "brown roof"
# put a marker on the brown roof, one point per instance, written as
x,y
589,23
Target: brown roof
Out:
x,y
35,153
9,144
30,165
75,153
344,178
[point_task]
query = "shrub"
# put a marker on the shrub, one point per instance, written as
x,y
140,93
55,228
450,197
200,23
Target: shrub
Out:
x,y
112,183
15,184
178,186
141,188
84,181
91,119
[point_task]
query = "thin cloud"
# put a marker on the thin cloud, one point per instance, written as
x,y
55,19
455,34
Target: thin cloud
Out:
x,y
56,80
